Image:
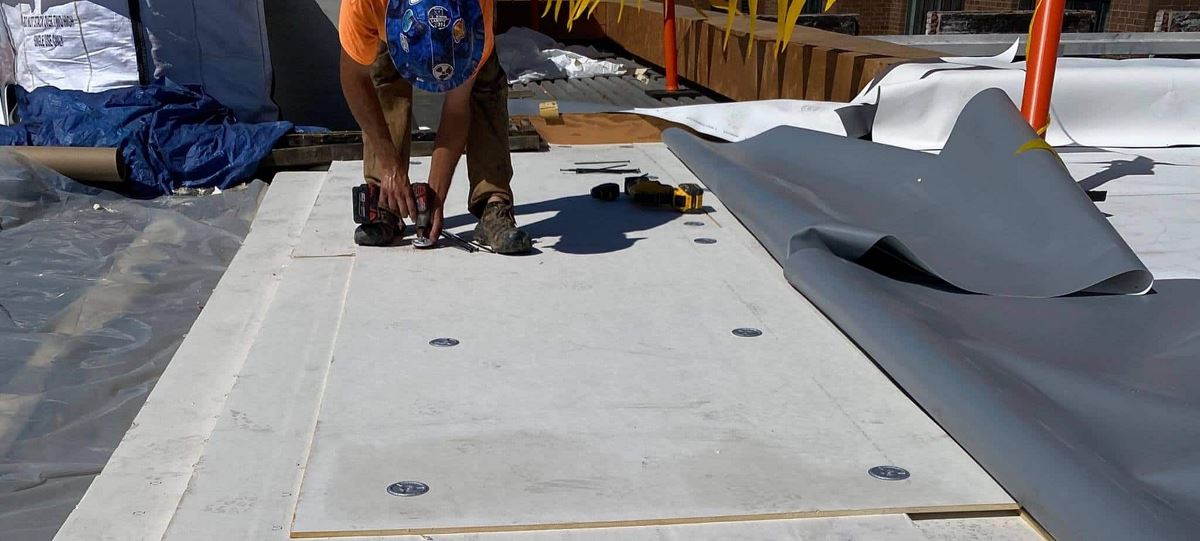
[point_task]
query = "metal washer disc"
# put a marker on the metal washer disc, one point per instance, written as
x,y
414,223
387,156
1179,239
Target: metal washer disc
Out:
x,y
747,332
443,342
889,473
407,489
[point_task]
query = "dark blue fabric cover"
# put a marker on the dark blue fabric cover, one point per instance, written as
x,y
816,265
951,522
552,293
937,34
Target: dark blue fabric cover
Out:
x,y
169,135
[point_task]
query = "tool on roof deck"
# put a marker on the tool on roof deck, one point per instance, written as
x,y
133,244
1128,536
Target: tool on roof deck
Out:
x,y
646,190
609,191
467,245
616,162
614,169
426,200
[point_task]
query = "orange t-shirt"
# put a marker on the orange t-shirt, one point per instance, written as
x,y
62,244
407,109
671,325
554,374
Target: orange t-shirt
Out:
x,y
361,27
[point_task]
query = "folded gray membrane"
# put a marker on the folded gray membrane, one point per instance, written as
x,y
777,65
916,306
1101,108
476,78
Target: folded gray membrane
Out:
x,y
985,282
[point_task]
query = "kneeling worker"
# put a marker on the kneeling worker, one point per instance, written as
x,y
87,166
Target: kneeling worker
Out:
x,y
390,46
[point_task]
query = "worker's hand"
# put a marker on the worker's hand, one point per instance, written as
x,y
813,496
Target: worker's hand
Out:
x,y
395,194
442,191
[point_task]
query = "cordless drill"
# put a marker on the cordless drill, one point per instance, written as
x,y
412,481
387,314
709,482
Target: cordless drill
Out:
x,y
366,209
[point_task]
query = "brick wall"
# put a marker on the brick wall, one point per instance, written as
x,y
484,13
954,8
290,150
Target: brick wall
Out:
x,y
875,17
1128,16
1138,15
990,5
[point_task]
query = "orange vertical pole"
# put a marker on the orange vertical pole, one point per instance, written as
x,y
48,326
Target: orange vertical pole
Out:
x,y
1041,56
669,55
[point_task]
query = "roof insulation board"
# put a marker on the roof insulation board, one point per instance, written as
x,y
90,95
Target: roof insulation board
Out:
x,y
598,383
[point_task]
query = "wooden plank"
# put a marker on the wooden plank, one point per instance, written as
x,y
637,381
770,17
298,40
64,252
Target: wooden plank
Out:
x,y
316,149
873,67
602,129
320,138
588,392
847,79
312,155
743,70
820,73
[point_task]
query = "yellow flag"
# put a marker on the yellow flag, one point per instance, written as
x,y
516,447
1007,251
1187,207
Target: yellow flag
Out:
x,y
753,17
731,9
781,8
793,15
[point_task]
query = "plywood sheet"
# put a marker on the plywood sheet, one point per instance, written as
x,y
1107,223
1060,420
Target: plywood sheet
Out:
x,y
598,383
601,129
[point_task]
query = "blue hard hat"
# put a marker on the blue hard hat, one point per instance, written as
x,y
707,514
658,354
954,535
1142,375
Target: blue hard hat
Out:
x,y
435,44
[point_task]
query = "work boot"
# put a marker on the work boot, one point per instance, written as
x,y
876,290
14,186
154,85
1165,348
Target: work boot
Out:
x,y
498,229
380,233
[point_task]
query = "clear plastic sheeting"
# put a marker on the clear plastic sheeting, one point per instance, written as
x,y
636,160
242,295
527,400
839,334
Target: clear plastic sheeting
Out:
x,y
96,293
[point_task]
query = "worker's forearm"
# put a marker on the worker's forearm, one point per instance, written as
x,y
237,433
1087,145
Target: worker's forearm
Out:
x,y
451,137
364,103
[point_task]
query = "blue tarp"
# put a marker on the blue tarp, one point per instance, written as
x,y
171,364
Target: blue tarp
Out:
x,y
169,135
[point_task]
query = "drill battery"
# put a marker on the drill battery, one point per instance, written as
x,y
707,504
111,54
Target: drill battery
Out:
x,y
366,204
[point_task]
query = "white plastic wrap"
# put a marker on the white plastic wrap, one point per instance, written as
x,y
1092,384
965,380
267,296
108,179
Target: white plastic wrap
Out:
x,y
527,55
77,46
220,45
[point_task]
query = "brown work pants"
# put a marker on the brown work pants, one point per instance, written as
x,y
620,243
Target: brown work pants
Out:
x,y
489,166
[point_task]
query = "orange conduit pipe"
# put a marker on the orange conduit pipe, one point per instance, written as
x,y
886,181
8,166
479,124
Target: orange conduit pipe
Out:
x,y
1041,56
669,53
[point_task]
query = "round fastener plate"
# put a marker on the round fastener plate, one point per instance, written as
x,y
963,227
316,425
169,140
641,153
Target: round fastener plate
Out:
x,y
747,332
889,473
407,489
443,342
705,240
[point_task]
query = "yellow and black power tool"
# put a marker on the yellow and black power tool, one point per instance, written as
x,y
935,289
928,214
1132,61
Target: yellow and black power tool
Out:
x,y
645,190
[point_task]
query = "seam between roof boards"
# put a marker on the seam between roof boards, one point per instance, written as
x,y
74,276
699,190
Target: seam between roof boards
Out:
x,y
675,521
236,398
160,508
298,484
260,317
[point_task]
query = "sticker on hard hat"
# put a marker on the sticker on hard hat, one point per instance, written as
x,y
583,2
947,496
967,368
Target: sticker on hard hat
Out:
x,y
460,30
438,17
442,72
